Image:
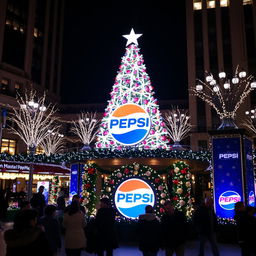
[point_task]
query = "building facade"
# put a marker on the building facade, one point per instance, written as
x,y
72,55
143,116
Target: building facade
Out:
x,y
30,54
221,34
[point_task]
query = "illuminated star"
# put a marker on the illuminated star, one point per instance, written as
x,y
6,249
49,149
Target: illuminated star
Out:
x,y
132,37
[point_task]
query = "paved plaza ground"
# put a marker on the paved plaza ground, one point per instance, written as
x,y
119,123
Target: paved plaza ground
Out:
x,y
191,250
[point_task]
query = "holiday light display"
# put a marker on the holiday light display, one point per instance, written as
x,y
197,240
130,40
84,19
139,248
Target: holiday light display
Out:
x,y
54,189
132,116
225,96
135,170
181,187
53,143
88,194
178,125
86,128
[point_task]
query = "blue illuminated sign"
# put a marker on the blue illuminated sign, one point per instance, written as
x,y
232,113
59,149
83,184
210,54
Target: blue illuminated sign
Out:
x,y
228,180
74,180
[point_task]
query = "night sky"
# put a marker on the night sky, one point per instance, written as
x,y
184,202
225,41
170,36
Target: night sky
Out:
x,y
93,47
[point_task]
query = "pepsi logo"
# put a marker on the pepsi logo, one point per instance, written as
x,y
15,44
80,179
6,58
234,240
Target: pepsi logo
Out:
x,y
132,196
129,124
228,199
251,199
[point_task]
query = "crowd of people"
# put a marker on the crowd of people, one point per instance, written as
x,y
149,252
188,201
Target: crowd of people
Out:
x,y
38,229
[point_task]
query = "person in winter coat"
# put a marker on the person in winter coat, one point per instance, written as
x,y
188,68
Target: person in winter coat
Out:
x,y
205,222
26,238
106,234
174,230
38,201
51,227
149,231
74,223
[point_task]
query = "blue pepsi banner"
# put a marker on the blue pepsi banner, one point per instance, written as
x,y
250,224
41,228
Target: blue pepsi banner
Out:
x,y
227,175
250,188
74,176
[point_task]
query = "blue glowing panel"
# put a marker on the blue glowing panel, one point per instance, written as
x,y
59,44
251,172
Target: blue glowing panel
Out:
x,y
250,188
227,175
74,180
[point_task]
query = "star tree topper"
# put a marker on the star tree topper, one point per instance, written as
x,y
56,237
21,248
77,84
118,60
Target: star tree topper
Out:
x,y
132,37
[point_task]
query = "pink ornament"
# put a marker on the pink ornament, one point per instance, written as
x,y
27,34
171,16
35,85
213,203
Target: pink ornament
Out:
x,y
135,99
154,111
99,145
152,132
105,114
105,133
144,142
116,89
139,63
111,142
163,138
147,89
128,71
124,101
119,148
147,147
162,124
145,102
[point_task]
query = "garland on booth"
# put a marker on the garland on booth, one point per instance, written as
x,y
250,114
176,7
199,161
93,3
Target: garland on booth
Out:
x,y
181,188
88,194
108,153
136,170
54,189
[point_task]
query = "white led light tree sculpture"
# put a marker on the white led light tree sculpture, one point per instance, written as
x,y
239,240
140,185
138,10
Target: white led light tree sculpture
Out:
x,y
53,143
32,121
250,121
225,95
86,128
178,125
132,86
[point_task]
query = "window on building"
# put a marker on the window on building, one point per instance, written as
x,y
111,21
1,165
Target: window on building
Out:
x,y
39,150
224,3
8,146
4,84
202,145
247,2
211,4
197,5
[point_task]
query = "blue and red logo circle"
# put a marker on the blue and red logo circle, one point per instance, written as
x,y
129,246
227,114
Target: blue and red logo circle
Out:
x,y
132,196
129,124
228,199
251,199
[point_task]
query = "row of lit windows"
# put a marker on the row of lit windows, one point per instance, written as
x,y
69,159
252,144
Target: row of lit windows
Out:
x,y
18,27
5,84
9,146
211,3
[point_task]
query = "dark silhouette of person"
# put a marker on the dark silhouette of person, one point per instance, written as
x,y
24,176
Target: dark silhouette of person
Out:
x,y
74,223
77,199
174,230
106,234
26,238
149,231
51,227
61,204
243,228
205,222
38,201
3,205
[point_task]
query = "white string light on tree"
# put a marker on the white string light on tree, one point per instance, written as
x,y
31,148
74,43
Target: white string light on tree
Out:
x,y
86,128
225,95
250,121
53,143
177,125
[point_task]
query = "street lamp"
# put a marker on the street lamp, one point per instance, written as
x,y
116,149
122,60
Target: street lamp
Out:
x,y
225,95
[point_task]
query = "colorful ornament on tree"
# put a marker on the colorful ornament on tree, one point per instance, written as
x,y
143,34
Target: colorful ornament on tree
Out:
x,y
88,193
181,187
54,189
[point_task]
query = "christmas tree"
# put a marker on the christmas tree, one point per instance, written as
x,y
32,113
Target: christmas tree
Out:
x,y
132,117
